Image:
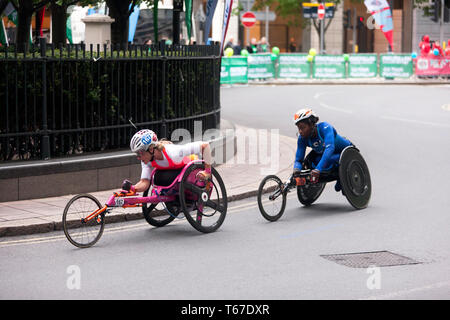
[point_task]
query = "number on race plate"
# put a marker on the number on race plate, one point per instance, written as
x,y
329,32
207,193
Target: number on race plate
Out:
x,y
119,202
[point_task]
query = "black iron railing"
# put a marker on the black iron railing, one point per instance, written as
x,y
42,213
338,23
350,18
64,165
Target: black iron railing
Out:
x,y
60,101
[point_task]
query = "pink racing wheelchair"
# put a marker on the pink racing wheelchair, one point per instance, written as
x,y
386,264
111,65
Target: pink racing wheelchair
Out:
x,y
203,203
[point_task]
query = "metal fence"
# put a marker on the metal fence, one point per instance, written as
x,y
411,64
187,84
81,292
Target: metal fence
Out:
x,y
60,101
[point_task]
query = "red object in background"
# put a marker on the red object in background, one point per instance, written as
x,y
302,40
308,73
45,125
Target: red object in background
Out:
x,y
41,17
437,46
433,66
321,11
425,46
248,19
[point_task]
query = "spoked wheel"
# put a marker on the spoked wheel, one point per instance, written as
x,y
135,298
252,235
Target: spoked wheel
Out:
x,y
309,193
204,203
79,232
156,214
271,198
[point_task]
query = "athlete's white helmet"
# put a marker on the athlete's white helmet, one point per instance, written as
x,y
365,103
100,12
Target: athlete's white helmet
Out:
x,y
304,114
142,140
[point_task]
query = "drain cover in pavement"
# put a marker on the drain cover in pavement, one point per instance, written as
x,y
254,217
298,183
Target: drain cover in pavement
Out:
x,y
370,259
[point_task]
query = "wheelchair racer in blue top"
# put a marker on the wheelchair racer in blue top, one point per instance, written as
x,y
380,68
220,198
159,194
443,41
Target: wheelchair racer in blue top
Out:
x,y
325,142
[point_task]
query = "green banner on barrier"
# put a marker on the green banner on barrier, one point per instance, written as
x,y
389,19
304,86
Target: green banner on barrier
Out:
x,y
362,66
396,65
260,66
329,67
234,70
293,66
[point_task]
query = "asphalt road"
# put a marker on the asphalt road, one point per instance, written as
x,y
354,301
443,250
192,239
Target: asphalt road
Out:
x,y
403,133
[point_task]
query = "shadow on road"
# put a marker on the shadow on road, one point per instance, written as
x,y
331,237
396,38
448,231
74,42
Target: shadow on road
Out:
x,y
325,209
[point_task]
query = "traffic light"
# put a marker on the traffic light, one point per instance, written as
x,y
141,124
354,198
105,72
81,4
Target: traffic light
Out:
x,y
347,19
360,22
435,11
447,11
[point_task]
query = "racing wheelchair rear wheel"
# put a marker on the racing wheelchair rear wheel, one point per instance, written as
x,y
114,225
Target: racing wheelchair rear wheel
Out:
x,y
163,217
355,178
204,204
309,193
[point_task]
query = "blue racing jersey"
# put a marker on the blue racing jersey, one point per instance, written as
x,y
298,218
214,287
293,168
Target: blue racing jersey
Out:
x,y
327,143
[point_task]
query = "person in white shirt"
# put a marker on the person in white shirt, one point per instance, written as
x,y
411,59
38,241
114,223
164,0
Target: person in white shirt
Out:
x,y
169,158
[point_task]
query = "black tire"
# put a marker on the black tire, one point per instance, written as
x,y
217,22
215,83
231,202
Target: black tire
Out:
x,y
266,205
214,203
76,231
355,179
162,220
309,193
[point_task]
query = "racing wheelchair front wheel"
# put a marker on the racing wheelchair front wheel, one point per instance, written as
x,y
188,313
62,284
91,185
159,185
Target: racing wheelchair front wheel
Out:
x,y
204,204
271,198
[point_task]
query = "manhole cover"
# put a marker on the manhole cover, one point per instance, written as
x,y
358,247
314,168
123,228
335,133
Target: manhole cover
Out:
x,y
368,259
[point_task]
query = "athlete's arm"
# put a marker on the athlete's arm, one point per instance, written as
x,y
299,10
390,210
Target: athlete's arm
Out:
x,y
300,154
328,137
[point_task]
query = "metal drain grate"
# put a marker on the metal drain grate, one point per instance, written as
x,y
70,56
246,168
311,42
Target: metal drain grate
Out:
x,y
368,259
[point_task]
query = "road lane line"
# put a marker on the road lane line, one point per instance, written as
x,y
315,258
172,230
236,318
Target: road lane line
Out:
x,y
335,109
402,293
443,125
112,230
326,106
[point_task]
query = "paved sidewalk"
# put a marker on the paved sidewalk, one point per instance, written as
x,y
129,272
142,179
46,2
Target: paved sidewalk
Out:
x,y
241,181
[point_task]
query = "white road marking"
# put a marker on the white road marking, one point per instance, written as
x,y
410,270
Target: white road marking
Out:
x,y
446,107
326,106
403,293
44,239
335,109
435,124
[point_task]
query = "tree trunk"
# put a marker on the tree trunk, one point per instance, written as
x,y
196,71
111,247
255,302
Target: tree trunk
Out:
x,y
119,11
24,14
59,19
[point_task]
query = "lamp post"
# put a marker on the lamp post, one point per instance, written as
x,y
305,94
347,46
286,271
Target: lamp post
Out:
x,y
177,8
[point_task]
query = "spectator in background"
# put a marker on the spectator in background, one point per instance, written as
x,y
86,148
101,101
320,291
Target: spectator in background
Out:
x,y
253,46
237,48
263,45
292,45
230,43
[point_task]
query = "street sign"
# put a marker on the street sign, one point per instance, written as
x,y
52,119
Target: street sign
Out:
x,y
248,19
321,11
310,10
261,15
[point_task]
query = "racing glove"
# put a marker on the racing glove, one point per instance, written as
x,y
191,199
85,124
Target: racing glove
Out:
x,y
315,176
128,186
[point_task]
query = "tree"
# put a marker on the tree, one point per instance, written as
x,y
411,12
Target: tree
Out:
x,y
59,17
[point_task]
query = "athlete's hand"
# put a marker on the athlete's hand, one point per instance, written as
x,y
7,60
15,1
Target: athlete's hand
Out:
x,y
203,175
315,174
128,186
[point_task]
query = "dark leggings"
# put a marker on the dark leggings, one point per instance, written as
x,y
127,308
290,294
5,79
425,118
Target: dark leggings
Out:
x,y
165,178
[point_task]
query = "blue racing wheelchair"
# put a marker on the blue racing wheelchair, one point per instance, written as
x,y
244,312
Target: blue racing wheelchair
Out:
x,y
352,173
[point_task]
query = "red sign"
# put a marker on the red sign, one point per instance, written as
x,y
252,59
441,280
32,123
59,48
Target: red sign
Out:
x,y
433,66
321,11
248,19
